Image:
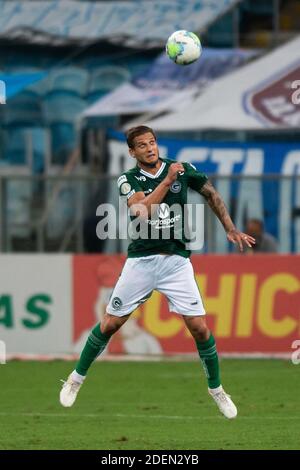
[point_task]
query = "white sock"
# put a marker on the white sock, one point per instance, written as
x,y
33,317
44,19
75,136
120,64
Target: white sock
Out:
x,y
216,390
77,377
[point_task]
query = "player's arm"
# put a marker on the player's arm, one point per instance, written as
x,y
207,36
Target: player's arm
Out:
x,y
142,205
217,204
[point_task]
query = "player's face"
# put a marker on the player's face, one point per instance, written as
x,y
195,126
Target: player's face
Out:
x,y
145,150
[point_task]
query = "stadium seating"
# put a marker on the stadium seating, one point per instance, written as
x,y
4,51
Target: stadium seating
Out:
x,y
68,79
63,141
70,197
38,88
24,109
25,146
15,146
56,102
19,197
104,79
39,145
60,106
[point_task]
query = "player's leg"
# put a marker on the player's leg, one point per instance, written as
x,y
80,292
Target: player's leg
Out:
x,y
207,350
178,283
206,347
95,345
97,342
133,287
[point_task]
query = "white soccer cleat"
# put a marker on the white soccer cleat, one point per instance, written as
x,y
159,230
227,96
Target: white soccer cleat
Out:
x,y
224,402
69,392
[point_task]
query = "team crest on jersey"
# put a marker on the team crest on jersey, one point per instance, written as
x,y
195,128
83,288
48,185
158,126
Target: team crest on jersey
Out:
x,y
175,187
125,188
116,303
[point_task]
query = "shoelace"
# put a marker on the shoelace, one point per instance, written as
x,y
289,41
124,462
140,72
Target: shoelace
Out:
x,y
222,396
74,385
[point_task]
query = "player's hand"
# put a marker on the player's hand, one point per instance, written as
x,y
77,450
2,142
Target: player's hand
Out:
x,y
173,171
235,236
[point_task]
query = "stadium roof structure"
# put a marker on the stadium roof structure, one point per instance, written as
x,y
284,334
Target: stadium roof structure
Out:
x,y
264,94
139,25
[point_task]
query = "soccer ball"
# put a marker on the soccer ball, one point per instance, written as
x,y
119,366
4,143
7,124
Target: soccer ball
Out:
x,y
183,47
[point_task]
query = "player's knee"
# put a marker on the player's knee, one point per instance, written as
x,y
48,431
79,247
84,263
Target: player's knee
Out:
x,y
203,334
109,328
110,324
200,332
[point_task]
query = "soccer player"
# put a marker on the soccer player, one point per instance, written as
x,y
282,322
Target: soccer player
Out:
x,y
160,261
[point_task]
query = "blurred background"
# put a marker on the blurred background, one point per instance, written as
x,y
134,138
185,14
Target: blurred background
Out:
x,y
76,75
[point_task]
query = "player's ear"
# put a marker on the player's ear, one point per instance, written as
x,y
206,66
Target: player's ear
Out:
x,y
131,151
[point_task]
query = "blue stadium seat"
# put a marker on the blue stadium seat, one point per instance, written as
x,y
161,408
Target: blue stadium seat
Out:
x,y
105,79
39,146
62,110
70,79
38,88
62,107
94,96
15,146
19,197
16,142
63,141
24,109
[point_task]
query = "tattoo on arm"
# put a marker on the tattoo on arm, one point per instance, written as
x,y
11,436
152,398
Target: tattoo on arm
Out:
x,y
217,204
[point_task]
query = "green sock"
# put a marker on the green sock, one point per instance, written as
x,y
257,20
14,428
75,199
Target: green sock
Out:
x,y
94,346
209,358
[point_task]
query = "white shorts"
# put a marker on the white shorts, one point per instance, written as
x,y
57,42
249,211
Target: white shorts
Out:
x,y
172,275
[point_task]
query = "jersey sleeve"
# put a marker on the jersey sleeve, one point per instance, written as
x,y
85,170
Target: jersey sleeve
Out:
x,y
196,179
128,186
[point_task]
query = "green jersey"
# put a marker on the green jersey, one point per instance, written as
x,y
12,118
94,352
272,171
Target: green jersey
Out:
x,y
165,230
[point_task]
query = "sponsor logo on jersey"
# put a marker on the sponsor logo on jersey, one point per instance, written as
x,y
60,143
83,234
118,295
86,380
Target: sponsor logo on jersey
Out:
x,y
125,188
175,187
116,303
141,178
164,221
163,211
121,180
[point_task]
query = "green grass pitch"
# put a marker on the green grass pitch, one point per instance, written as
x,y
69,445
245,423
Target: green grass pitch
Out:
x,y
150,405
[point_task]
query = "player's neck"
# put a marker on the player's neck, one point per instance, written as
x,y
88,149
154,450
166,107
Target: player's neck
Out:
x,y
151,169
